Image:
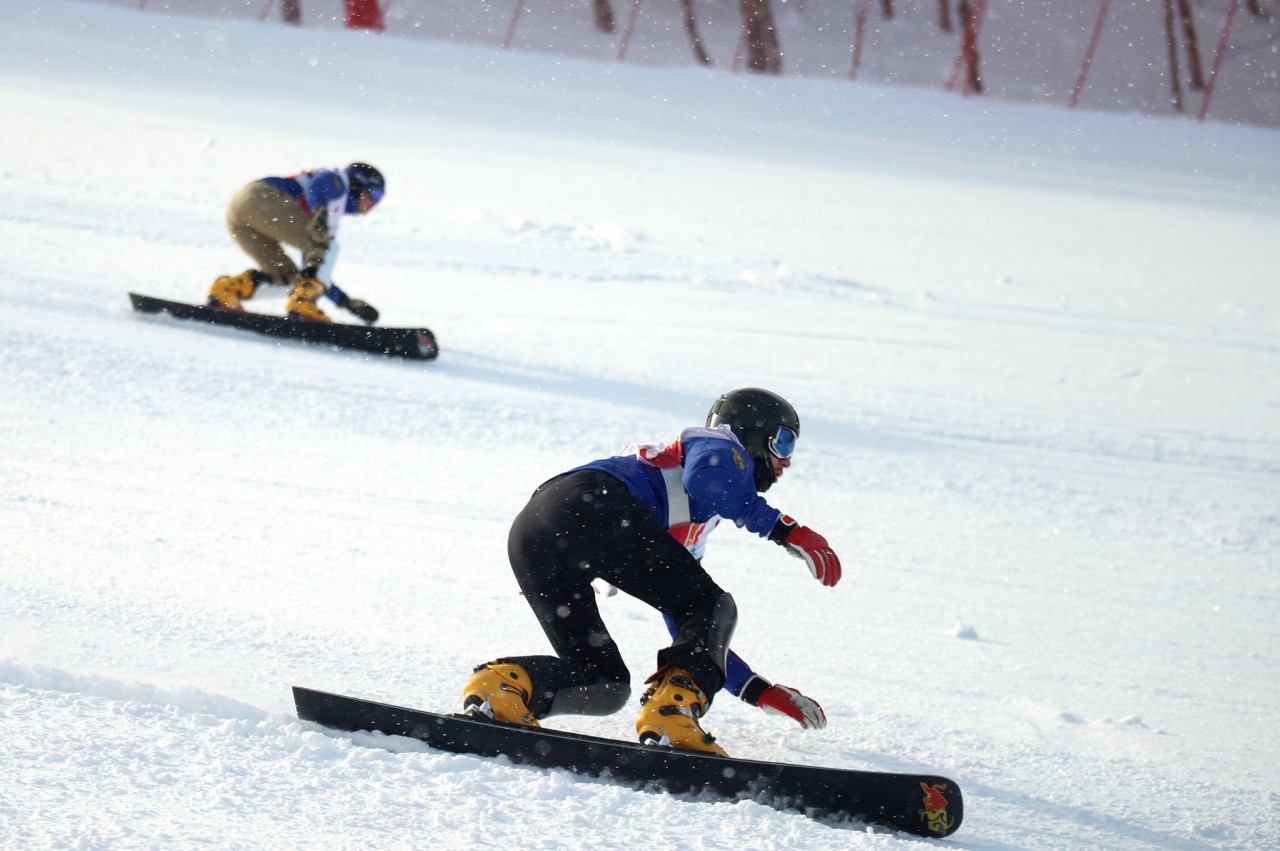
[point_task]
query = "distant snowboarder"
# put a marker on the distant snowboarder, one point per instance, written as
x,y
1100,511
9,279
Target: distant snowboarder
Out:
x,y
302,210
640,521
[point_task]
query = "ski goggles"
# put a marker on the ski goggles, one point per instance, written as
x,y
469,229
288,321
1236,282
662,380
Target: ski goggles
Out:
x,y
375,194
783,443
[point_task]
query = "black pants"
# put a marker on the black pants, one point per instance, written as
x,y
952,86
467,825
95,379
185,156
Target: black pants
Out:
x,y
584,525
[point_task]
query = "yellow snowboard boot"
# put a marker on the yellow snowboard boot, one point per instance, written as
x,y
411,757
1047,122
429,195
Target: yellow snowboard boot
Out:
x,y
228,291
301,303
669,713
500,690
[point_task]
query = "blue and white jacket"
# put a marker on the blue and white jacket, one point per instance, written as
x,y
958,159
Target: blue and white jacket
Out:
x,y
322,189
319,189
705,475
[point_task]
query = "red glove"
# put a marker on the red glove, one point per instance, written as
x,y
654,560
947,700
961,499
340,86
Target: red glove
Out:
x,y
824,564
784,700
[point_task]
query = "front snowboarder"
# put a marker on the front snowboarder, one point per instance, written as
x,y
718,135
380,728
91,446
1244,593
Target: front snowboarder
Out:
x,y
639,521
302,210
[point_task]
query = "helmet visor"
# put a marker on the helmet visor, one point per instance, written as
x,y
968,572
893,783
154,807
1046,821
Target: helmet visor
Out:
x,y
783,443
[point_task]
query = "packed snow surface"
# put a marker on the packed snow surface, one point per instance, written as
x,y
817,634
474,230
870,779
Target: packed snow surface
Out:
x,y
1035,353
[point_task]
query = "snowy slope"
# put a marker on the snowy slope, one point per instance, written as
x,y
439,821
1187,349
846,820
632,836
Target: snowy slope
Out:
x,y
1035,352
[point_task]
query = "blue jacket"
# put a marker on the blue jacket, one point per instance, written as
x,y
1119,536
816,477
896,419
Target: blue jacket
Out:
x,y
316,190
690,485
716,477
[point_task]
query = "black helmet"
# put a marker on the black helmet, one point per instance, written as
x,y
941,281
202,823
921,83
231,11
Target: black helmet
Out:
x,y
367,177
756,417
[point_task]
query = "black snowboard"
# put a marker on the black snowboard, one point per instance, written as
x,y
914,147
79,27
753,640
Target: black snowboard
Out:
x,y
922,804
415,343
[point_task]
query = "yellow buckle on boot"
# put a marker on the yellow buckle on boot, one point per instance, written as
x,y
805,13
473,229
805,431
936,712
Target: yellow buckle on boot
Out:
x,y
228,291
501,691
301,303
669,713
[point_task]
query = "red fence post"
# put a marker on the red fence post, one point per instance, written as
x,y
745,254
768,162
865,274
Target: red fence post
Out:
x,y
1088,54
631,26
748,15
1217,59
511,27
967,58
363,15
860,28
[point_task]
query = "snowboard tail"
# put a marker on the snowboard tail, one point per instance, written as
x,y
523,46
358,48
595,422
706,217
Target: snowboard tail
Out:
x,y
413,343
920,804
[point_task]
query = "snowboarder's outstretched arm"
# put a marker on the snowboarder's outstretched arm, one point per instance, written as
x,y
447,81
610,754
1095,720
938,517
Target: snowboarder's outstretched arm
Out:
x,y
717,474
361,308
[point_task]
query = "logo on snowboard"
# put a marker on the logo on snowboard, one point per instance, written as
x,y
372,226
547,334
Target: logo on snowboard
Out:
x,y
935,808
425,344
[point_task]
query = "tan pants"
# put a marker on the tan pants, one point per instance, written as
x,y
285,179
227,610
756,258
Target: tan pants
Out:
x,y
260,218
